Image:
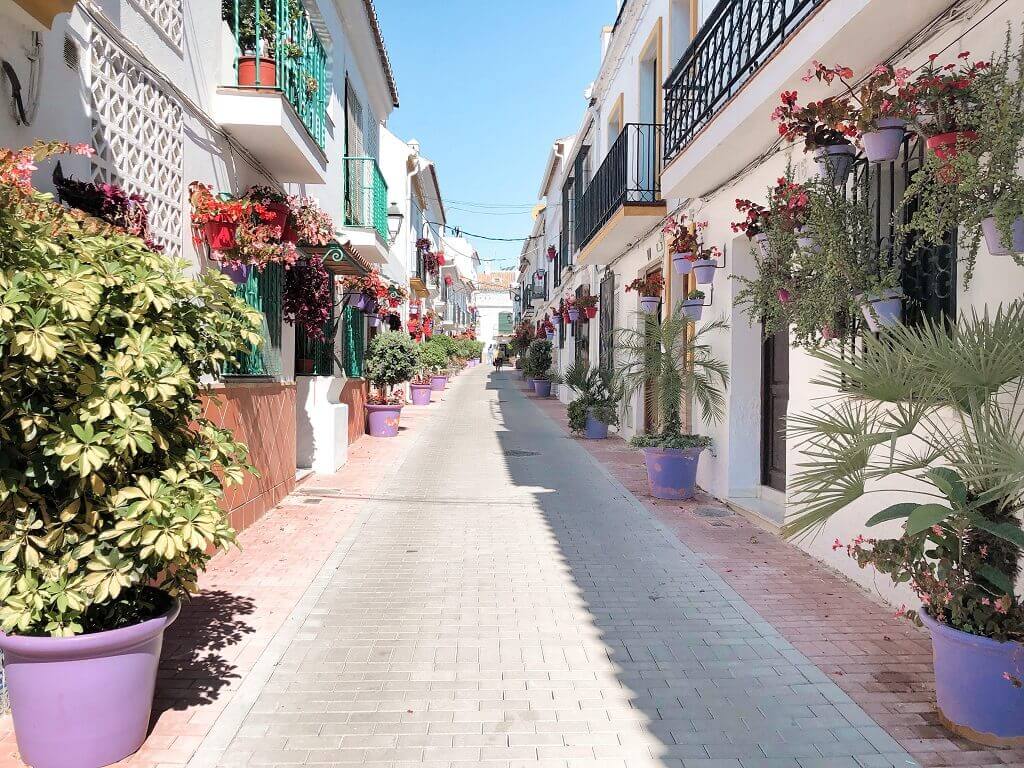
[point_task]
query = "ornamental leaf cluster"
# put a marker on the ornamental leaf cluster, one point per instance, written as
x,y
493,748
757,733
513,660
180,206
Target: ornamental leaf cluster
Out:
x,y
110,475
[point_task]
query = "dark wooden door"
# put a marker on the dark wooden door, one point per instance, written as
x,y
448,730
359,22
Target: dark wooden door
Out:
x,y
774,399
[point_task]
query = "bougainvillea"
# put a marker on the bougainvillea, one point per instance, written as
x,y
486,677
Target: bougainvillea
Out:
x,y
307,297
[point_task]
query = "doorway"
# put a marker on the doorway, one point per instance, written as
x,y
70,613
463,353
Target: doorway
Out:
x,y
774,402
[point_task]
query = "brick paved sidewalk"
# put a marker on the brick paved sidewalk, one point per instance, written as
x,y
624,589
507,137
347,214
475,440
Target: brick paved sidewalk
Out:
x,y
881,662
246,595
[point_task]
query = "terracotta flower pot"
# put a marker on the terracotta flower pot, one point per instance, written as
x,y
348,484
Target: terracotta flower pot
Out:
x,y
220,235
247,71
304,366
83,701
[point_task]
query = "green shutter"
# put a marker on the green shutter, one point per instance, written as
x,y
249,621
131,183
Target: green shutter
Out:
x,y
262,291
354,343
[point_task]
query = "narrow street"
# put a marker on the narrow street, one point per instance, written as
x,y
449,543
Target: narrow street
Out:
x,y
502,600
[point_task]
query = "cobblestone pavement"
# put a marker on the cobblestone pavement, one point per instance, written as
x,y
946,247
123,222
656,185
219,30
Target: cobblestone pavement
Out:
x,y
503,601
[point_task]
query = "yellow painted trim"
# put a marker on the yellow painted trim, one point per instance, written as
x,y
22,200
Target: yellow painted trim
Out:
x,y
654,40
419,287
651,210
619,113
43,11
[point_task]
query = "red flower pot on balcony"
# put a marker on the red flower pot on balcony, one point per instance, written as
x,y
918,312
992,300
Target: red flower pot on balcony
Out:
x,y
591,312
290,234
247,71
220,235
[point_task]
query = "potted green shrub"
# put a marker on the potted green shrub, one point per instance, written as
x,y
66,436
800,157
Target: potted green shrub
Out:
x,y
391,359
433,360
537,362
596,406
669,364
934,411
111,472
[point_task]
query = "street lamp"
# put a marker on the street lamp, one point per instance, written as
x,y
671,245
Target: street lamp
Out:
x,y
395,218
514,294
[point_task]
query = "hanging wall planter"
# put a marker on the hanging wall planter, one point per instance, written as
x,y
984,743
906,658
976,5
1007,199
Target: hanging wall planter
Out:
x,y
762,243
704,270
556,319
694,308
550,335
574,315
803,240
373,320
220,235
995,240
591,312
974,698
238,273
883,145
649,304
887,308
947,146
682,263
835,162
83,701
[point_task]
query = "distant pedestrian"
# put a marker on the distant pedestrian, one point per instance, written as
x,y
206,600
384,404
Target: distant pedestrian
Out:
x,y
498,362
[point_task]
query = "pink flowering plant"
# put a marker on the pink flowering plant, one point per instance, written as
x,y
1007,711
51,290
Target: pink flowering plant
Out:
x,y
939,409
312,223
308,297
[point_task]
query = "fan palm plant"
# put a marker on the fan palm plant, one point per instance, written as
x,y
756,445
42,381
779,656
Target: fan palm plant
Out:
x,y
668,364
943,408
600,393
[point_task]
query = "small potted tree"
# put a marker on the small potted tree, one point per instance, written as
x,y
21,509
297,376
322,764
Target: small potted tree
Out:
x,y
110,495
670,364
391,359
598,397
430,358
537,363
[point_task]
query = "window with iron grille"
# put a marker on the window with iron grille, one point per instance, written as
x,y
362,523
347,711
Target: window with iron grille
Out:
x,y
315,357
263,291
606,341
928,273
581,330
353,321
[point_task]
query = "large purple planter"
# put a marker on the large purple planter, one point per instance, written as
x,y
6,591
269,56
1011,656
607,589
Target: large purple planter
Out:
x,y
420,394
438,383
974,698
671,472
532,384
996,242
85,701
542,387
382,420
595,429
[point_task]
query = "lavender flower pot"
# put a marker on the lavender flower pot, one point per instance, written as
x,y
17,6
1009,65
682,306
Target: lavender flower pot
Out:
x,y
237,273
682,263
373,320
974,697
84,701
382,420
542,387
649,304
532,384
574,315
887,310
704,271
420,394
595,429
550,335
671,472
356,300
438,383
995,241
883,145
693,308
556,320
804,241
835,162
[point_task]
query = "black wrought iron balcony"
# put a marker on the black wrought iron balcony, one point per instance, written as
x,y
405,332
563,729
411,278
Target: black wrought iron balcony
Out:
x,y
730,47
630,174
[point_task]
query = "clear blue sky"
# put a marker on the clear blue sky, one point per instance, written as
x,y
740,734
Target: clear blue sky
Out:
x,y
486,87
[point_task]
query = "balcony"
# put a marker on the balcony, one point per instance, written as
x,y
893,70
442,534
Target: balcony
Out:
x,y
720,95
276,103
365,221
624,198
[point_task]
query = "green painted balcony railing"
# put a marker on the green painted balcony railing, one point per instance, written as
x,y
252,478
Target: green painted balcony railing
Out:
x,y
366,195
289,56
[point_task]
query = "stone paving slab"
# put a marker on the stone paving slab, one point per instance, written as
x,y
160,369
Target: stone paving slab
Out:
x,y
506,602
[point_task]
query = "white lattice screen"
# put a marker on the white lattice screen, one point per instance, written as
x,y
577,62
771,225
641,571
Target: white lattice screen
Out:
x,y
138,134
167,15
